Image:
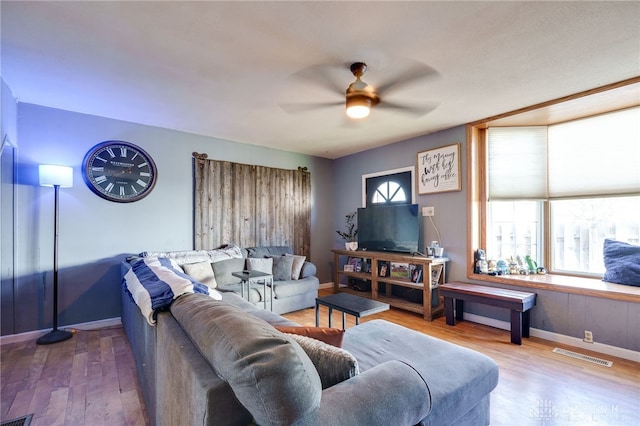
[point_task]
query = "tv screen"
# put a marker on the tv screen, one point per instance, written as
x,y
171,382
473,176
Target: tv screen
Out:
x,y
396,228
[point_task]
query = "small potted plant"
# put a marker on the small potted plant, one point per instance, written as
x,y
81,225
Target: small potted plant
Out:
x,y
351,233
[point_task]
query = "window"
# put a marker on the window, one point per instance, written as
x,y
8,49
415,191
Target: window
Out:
x,y
577,183
388,192
388,187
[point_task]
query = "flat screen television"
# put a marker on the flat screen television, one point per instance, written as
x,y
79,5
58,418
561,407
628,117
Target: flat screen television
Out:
x,y
396,228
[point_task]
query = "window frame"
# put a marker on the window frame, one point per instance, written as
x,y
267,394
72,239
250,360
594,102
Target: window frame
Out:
x,y
367,176
597,101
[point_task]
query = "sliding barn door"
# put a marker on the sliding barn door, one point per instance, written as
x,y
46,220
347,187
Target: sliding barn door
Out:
x,y
250,205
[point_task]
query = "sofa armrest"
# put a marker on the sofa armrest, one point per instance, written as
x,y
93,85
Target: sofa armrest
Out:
x,y
390,393
308,270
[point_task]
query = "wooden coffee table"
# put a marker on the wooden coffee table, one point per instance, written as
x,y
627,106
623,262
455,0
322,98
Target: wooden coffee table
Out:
x,y
349,304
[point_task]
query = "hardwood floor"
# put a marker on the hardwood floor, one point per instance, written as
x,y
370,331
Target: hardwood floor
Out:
x,y
91,380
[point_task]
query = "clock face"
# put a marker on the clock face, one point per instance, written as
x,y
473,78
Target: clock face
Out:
x,y
119,171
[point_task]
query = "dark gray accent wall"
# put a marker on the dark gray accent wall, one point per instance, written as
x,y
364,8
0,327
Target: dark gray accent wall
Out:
x,y
613,323
95,234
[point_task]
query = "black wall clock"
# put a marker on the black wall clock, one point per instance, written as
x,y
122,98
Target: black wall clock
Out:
x,y
119,171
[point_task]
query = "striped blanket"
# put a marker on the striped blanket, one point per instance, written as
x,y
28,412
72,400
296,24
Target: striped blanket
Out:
x,y
154,283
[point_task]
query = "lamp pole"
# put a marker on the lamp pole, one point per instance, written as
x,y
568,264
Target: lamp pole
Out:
x,y
55,335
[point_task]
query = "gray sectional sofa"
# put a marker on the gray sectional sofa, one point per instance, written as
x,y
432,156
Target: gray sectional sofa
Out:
x,y
223,362
289,295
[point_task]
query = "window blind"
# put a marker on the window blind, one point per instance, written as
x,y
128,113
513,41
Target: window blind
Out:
x,y
517,166
595,156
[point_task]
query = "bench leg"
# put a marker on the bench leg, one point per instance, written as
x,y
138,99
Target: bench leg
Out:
x,y
459,309
526,321
516,327
448,311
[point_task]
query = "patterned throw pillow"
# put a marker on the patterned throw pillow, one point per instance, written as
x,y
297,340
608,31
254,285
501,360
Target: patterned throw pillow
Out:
x,y
334,365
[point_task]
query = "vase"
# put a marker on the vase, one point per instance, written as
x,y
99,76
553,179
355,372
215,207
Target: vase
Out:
x,y
351,245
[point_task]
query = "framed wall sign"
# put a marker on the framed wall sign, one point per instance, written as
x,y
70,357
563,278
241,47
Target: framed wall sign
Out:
x,y
438,170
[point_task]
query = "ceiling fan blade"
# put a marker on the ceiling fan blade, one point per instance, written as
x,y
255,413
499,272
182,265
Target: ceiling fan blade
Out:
x,y
416,110
324,76
418,71
297,108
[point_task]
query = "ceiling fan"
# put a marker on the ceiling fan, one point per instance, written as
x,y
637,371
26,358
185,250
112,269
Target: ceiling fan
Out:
x,y
360,97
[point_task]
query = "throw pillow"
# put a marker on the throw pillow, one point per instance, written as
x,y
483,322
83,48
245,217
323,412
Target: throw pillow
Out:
x,y
282,266
201,271
298,263
264,264
622,263
271,376
332,336
334,365
224,269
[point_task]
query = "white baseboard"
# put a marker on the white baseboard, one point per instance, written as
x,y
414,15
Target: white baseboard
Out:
x,y
559,338
33,335
326,285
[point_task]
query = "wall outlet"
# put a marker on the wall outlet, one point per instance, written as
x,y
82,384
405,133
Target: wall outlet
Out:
x,y
588,337
428,211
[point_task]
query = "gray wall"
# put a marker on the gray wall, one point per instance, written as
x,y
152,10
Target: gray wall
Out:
x,y
96,234
450,207
613,322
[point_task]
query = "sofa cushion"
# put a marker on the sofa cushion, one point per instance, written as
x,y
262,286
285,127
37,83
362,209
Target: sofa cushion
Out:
x,y
284,289
282,266
622,263
332,336
224,268
296,268
201,271
260,264
334,365
458,378
268,372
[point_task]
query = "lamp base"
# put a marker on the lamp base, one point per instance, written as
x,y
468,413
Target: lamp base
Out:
x,y
54,336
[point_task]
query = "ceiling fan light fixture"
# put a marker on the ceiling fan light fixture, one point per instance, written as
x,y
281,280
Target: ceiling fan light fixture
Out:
x,y
358,107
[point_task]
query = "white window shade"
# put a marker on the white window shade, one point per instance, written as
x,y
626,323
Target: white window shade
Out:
x,y
595,156
517,159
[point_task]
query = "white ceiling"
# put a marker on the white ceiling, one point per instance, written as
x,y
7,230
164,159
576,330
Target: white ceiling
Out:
x,y
231,70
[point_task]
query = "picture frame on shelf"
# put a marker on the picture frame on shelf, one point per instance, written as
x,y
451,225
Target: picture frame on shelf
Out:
x,y
436,271
438,169
383,269
348,268
356,263
416,273
399,270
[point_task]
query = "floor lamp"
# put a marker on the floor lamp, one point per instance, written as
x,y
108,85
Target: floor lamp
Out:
x,y
57,177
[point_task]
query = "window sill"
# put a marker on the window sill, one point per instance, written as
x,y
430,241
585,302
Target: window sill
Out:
x,y
565,284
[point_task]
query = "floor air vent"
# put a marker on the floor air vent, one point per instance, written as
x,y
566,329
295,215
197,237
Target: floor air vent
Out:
x,y
22,421
583,357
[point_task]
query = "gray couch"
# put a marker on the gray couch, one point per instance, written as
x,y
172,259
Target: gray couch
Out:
x,y
223,363
288,294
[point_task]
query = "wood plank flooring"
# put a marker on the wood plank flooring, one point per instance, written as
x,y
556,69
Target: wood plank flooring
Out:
x,y
91,380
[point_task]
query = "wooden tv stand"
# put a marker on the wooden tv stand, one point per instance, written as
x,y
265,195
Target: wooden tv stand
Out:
x,y
433,304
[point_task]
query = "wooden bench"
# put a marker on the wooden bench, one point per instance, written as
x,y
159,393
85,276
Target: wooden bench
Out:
x,y
518,301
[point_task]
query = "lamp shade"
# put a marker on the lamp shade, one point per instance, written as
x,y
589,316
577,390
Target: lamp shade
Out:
x,y
52,175
358,106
